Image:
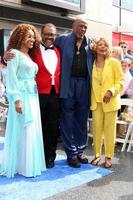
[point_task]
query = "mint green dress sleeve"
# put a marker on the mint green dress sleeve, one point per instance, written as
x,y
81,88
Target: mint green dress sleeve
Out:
x,y
12,85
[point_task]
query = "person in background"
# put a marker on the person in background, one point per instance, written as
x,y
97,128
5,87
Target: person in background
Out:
x,y
124,47
117,52
131,67
130,52
75,91
107,83
3,69
23,149
129,91
125,63
3,96
47,58
2,87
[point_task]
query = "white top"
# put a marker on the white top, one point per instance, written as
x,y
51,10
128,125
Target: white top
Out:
x,y
50,60
3,74
130,89
127,79
2,81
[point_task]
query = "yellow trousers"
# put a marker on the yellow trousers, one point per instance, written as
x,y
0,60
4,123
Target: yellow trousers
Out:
x,y
104,124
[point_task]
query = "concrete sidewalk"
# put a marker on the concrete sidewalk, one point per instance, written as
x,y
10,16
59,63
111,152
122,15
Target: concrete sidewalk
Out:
x,y
117,186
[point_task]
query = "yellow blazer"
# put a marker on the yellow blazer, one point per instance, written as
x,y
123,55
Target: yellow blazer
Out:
x,y
112,79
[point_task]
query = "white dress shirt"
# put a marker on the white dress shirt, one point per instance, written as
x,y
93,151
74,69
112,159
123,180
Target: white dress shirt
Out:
x,y
50,60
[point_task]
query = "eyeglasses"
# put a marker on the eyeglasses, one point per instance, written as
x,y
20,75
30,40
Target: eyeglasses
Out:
x,y
124,47
49,34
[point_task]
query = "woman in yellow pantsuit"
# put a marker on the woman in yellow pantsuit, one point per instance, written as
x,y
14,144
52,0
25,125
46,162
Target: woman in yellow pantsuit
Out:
x,y
107,83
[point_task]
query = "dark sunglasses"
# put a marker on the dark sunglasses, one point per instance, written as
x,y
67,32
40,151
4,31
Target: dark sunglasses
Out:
x,y
124,47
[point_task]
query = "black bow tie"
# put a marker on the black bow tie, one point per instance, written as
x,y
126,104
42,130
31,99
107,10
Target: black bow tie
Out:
x,y
46,48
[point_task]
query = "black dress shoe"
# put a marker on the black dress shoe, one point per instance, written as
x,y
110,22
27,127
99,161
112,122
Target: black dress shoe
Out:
x,y
49,164
73,162
82,159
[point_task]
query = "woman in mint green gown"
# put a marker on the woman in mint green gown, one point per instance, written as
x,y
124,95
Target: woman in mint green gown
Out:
x,y
23,150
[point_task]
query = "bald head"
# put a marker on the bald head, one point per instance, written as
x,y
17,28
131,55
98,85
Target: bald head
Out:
x,y
79,28
80,20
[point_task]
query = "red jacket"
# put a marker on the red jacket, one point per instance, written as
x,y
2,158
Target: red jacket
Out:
x,y
43,77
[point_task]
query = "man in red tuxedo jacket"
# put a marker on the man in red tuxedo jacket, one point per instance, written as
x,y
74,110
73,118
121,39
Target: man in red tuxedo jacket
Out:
x,y
48,83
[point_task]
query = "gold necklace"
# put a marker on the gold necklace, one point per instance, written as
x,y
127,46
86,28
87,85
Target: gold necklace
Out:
x,y
78,50
100,64
78,45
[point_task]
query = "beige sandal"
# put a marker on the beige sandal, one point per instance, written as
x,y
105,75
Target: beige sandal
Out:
x,y
107,163
95,161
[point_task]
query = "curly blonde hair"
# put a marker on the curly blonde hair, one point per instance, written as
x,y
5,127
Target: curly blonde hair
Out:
x,y
18,35
95,43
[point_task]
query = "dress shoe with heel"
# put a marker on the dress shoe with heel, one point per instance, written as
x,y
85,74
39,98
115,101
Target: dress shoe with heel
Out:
x,y
73,162
50,164
82,159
